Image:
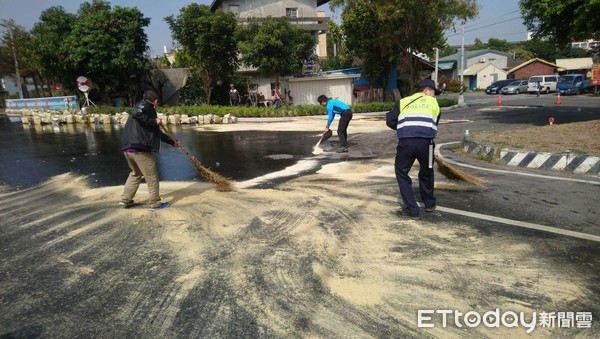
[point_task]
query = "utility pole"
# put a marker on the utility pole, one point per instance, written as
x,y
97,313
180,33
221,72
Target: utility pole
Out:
x,y
12,43
435,73
461,97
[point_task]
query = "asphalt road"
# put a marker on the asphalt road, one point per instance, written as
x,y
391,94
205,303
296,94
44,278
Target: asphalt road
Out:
x,y
558,203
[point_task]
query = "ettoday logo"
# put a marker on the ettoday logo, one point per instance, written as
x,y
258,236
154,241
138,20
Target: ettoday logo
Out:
x,y
509,319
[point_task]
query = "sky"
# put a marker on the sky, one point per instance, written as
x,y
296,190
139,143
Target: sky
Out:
x,y
497,18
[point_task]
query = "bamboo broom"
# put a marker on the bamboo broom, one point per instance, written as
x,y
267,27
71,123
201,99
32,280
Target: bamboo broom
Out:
x,y
453,173
221,183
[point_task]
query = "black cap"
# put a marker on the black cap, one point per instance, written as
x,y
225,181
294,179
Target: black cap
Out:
x,y
429,83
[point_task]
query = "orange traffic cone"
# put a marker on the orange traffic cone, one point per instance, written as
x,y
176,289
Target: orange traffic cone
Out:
x,y
557,99
499,100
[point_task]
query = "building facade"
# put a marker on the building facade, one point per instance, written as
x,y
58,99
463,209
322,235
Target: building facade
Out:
x,y
303,13
533,67
492,63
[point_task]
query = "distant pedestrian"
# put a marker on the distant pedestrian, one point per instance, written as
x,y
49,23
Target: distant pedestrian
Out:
x,y
140,140
539,88
277,100
234,95
415,119
333,107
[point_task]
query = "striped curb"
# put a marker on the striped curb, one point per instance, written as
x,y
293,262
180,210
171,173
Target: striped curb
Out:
x,y
581,164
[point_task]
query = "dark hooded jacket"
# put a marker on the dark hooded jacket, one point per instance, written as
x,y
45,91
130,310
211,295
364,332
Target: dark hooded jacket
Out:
x,y
141,131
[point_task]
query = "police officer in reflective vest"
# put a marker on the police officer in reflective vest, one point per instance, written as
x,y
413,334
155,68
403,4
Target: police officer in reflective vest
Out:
x,y
415,119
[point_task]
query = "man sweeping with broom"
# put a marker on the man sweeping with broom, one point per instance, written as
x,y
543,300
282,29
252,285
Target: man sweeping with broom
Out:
x,y
415,119
141,139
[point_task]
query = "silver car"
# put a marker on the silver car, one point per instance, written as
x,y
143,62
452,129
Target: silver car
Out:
x,y
515,87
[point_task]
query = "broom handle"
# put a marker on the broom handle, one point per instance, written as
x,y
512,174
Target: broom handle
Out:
x,y
191,157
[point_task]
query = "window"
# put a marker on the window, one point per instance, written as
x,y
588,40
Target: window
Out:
x,y
291,12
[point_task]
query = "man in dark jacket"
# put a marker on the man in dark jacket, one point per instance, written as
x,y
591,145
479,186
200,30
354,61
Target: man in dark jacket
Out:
x,y
141,139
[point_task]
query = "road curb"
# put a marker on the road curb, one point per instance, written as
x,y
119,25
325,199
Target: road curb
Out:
x,y
575,163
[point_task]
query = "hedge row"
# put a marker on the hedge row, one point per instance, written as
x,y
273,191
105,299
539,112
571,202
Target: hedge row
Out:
x,y
252,112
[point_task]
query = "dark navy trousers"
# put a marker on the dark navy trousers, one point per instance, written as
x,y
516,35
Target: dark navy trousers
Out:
x,y
407,151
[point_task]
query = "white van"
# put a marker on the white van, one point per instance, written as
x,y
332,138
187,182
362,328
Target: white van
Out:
x,y
548,83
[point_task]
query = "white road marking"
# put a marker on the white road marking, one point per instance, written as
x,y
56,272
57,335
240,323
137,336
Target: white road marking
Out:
x,y
524,224
511,222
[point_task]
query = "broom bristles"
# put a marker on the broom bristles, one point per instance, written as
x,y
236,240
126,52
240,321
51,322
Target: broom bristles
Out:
x,y
222,184
453,173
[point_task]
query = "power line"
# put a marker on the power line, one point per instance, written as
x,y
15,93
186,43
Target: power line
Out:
x,y
476,29
491,36
484,21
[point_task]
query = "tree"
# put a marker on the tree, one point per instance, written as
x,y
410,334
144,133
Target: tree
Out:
x,y
493,43
498,44
208,39
446,50
365,38
108,45
337,53
386,33
519,52
15,61
478,45
47,45
275,47
562,21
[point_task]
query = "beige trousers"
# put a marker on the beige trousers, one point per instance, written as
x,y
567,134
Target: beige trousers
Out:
x,y
143,165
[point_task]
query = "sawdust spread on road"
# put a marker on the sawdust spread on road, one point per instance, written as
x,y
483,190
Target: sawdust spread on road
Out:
x,y
321,255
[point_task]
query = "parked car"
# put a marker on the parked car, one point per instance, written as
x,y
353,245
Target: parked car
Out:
x,y
516,87
495,87
547,83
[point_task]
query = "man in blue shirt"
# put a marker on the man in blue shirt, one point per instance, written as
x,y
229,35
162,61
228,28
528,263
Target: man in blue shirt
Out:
x,y
334,107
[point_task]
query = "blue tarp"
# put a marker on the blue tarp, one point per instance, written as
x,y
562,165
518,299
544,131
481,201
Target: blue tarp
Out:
x,y
362,81
446,65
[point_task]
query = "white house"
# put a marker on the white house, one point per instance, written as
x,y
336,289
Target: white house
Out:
x,y
482,75
474,63
306,90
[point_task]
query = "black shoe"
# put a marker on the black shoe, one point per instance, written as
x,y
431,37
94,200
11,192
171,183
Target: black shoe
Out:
x,y
406,213
430,209
343,150
126,204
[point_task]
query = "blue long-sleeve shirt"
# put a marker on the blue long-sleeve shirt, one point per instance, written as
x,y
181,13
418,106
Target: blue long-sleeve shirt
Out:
x,y
334,107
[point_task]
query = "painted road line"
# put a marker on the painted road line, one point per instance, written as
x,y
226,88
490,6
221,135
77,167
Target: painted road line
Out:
x,y
523,224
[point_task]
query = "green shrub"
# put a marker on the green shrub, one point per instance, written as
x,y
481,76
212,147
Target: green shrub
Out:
x,y
263,112
447,102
